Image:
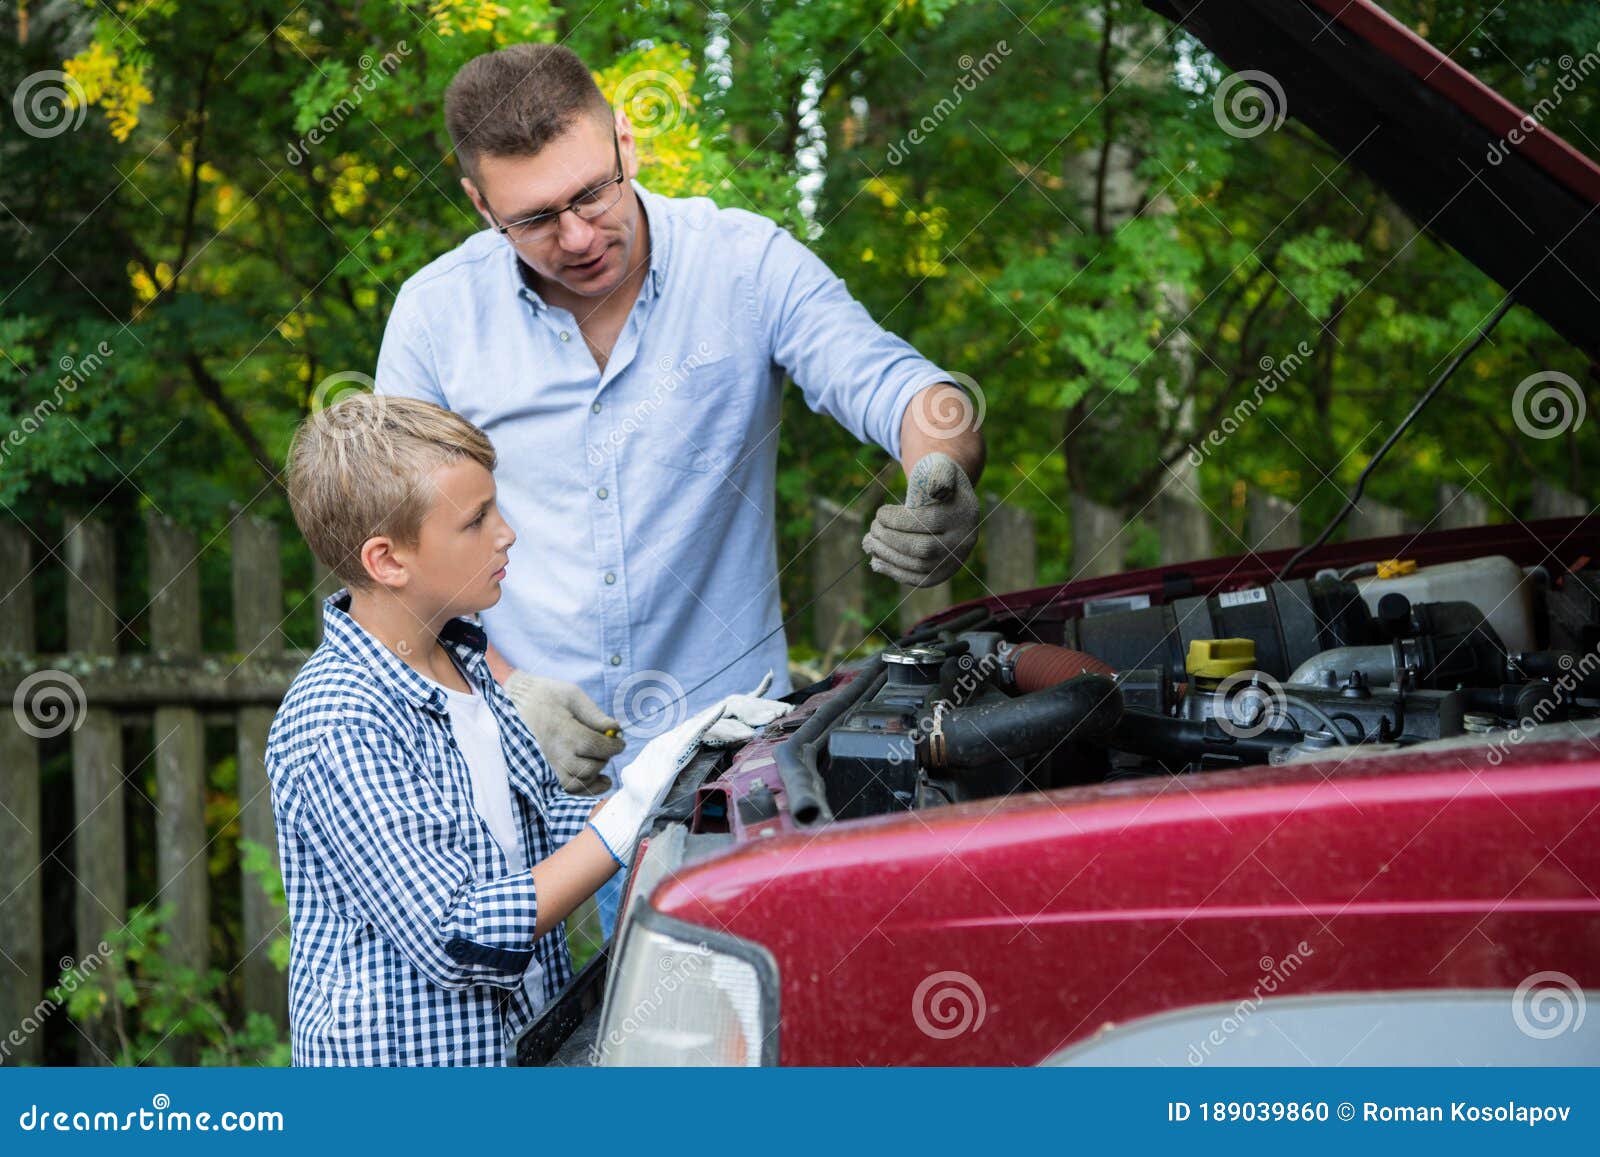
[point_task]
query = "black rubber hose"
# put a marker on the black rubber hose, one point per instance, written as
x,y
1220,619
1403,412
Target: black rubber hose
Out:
x,y
1186,740
797,757
1086,707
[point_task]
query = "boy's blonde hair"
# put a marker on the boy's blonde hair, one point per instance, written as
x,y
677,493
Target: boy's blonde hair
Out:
x,y
359,468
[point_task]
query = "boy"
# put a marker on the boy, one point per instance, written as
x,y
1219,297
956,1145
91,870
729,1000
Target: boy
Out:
x,y
429,852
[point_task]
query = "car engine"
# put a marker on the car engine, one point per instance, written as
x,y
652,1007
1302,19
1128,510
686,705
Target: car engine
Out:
x,y
1380,656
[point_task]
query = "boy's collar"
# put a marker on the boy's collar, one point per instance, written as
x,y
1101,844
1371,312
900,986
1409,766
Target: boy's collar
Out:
x,y
352,640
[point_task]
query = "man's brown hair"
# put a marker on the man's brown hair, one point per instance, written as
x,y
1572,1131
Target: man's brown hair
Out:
x,y
513,102
360,468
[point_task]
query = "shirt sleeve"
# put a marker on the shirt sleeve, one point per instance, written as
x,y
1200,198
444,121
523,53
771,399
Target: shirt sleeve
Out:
x,y
396,845
846,365
406,367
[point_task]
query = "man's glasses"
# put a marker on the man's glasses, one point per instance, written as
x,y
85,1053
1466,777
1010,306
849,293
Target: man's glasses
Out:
x,y
587,206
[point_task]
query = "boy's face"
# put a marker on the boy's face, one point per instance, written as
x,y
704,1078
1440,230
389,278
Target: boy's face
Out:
x,y
460,556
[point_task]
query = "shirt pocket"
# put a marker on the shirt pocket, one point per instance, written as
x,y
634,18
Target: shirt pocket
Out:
x,y
692,410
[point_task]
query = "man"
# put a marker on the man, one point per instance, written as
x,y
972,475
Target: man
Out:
x,y
625,351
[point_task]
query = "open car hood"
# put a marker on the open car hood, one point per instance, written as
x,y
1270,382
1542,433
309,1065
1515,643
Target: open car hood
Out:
x,y
1508,194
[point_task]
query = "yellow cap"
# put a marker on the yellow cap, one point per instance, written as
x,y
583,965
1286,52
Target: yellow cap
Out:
x,y
1219,658
1395,567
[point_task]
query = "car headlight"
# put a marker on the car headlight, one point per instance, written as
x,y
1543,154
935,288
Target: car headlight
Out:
x,y
683,995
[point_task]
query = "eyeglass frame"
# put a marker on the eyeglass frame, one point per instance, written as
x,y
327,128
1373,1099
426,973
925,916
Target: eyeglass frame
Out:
x,y
553,216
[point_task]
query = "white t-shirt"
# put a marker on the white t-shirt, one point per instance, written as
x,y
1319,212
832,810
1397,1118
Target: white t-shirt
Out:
x,y
478,735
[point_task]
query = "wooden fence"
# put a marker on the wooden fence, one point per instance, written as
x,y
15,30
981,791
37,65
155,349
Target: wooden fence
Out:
x,y
87,696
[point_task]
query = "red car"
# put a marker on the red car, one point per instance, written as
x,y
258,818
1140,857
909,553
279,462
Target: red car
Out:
x,y
1334,807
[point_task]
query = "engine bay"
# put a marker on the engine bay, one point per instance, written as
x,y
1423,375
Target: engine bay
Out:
x,y
1379,656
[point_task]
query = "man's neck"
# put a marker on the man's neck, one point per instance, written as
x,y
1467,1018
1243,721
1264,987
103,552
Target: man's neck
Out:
x,y
413,638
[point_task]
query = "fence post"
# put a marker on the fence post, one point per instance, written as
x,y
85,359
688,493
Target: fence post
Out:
x,y
1371,519
179,750
257,617
1271,523
836,546
1554,502
1459,508
1099,539
22,979
1010,548
99,848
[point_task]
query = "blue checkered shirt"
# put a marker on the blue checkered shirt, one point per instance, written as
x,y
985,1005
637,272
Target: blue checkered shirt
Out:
x,y
410,931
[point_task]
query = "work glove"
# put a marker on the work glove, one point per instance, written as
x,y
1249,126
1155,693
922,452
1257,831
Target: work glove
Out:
x,y
925,541
570,728
646,780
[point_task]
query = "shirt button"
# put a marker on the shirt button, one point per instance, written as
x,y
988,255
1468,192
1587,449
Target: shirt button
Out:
x,y
602,492
616,660
610,577
565,336
595,407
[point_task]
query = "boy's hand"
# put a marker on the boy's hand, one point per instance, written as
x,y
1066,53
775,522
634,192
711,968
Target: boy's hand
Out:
x,y
571,730
646,780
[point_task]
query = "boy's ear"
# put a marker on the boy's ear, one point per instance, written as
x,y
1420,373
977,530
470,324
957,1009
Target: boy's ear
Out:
x,y
382,567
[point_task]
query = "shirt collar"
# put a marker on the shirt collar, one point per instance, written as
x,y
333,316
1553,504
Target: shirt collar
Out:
x,y
351,640
655,210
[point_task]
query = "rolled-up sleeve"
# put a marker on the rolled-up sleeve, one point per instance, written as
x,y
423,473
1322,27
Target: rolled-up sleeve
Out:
x,y
385,828
406,367
846,365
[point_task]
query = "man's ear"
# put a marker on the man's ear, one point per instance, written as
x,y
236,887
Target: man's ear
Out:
x,y
625,144
477,200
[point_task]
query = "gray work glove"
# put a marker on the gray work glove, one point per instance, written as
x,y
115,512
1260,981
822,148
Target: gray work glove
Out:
x,y
925,541
570,728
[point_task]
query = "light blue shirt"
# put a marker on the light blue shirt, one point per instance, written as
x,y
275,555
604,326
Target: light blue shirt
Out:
x,y
643,496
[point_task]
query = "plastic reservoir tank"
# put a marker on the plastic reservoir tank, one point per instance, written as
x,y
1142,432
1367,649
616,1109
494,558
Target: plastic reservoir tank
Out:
x,y
1494,584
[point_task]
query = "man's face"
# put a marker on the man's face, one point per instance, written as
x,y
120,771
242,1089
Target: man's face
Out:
x,y
587,258
459,560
